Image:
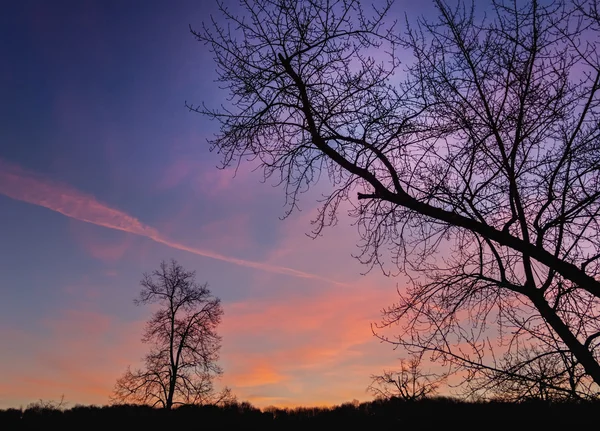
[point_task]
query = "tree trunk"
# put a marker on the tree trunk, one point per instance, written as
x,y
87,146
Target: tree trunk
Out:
x,y
583,355
172,379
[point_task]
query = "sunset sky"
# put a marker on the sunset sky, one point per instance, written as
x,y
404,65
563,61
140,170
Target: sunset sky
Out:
x,y
104,173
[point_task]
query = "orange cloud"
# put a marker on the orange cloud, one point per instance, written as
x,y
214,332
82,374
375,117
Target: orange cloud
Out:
x,y
77,353
295,346
26,186
286,351
258,374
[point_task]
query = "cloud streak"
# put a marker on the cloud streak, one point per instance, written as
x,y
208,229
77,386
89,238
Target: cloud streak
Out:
x,y
26,186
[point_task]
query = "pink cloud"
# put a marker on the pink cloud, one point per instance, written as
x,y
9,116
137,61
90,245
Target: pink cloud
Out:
x,y
229,233
19,184
207,181
221,183
26,186
91,323
107,248
176,172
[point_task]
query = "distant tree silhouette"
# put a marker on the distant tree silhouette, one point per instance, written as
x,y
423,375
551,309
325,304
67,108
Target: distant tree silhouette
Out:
x,y
182,362
409,383
427,414
48,404
476,164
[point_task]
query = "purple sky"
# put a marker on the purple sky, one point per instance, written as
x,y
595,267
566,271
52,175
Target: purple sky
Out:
x,y
104,173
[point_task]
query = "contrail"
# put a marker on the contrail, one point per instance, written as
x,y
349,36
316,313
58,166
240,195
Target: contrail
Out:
x,y
22,185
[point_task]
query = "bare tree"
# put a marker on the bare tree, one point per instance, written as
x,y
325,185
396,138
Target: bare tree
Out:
x,y
182,362
475,164
41,404
409,383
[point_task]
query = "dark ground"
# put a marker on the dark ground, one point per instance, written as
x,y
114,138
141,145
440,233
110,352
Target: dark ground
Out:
x,y
435,413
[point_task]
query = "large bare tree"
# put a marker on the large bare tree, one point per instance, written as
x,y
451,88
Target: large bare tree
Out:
x,y
182,362
472,166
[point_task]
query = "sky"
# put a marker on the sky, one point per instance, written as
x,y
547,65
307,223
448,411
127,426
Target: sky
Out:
x,y
104,173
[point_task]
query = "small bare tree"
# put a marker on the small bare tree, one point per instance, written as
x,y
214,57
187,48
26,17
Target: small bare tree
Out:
x,y
48,404
409,383
473,167
182,362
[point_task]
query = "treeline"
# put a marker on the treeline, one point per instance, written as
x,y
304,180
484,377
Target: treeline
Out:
x,y
430,413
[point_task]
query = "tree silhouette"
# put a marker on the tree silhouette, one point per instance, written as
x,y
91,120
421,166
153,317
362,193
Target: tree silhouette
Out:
x,y
532,374
410,382
475,164
182,362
